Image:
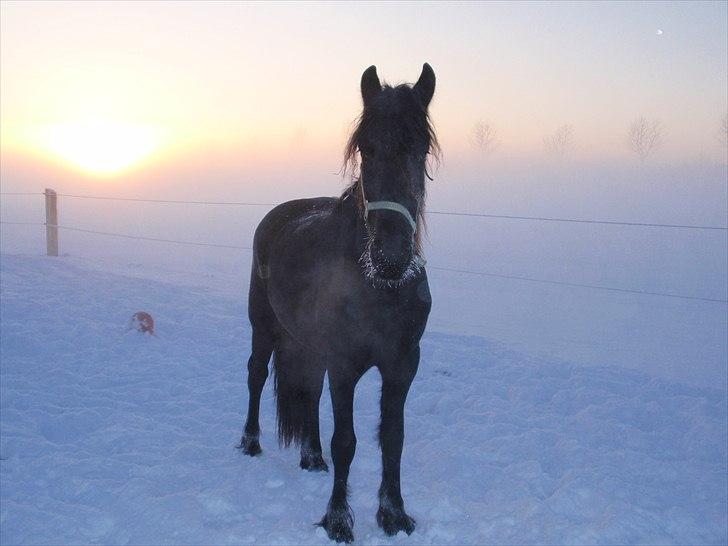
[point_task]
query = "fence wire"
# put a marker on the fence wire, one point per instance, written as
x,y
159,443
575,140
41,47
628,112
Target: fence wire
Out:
x,y
127,236
167,201
577,285
431,267
578,220
431,212
436,268
21,193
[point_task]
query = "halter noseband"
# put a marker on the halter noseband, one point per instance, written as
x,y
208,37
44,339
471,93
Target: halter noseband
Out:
x,y
418,260
390,205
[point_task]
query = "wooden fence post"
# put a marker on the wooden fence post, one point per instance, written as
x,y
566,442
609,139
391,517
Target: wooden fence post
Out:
x,y
51,206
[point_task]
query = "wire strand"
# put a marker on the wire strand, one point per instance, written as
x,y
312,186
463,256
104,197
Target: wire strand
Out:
x,y
167,201
436,212
579,285
436,268
21,193
155,239
576,220
125,236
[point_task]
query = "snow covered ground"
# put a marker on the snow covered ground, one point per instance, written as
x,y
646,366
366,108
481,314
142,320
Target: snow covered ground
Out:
x,y
108,436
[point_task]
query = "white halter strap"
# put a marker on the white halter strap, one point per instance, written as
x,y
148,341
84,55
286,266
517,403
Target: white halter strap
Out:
x,y
390,205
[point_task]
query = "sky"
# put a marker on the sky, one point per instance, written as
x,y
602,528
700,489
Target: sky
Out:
x,y
101,88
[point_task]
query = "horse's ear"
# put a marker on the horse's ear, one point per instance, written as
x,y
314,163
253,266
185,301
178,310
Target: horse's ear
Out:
x,y
425,86
370,86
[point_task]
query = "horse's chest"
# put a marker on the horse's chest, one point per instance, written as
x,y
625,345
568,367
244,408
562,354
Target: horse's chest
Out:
x,y
355,311
365,325
340,312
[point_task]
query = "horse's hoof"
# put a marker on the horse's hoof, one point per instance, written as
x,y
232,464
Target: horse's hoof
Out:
x,y
250,445
314,463
338,524
394,521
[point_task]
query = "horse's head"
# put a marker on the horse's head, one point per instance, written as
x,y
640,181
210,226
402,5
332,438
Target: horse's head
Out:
x,y
393,138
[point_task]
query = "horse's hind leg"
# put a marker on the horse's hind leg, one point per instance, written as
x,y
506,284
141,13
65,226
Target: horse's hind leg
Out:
x,y
257,374
299,380
263,323
311,456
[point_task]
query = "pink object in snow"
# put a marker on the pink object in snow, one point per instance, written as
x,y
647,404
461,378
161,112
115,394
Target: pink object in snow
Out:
x,y
142,322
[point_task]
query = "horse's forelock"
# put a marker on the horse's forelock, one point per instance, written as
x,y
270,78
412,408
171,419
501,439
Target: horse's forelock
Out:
x,y
350,165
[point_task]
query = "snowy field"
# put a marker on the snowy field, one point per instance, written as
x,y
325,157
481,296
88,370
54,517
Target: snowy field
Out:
x,y
112,437
541,414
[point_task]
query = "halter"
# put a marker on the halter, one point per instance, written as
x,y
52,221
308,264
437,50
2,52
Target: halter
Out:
x,y
418,260
390,205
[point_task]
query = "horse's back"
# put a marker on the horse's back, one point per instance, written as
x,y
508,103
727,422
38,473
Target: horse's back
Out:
x,y
284,217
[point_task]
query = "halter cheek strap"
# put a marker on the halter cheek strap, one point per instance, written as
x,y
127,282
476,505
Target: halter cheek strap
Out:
x,y
390,205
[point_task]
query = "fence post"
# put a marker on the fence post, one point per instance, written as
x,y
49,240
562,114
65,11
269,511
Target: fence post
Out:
x,y
51,205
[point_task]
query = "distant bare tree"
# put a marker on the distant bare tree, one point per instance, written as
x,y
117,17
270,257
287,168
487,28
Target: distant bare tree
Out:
x,y
644,137
723,131
559,143
484,137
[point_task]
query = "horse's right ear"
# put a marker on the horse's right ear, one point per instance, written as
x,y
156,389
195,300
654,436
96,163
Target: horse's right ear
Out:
x,y
370,86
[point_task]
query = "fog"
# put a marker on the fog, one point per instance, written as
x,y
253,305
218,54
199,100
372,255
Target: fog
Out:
x,y
682,339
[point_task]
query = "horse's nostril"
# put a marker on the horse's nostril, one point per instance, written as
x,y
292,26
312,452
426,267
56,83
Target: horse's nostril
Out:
x,y
389,268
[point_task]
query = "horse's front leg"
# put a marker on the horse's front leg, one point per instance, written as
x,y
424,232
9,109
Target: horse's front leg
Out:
x,y
396,380
339,518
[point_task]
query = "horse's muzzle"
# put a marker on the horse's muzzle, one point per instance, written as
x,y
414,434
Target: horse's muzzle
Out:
x,y
390,266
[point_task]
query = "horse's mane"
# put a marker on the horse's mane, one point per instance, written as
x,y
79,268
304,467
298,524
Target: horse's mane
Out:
x,y
350,166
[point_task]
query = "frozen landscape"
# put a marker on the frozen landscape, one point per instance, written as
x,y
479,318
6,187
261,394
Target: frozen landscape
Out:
x,y
113,437
573,382
541,413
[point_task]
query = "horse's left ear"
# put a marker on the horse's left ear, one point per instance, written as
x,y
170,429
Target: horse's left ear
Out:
x,y
425,86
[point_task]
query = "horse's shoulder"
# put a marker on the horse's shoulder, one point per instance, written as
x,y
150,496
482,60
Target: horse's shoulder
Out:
x,y
291,214
303,207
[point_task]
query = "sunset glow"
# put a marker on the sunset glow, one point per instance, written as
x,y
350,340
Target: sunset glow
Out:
x,y
112,88
100,147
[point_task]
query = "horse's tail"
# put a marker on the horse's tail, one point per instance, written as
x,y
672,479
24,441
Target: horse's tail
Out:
x,y
292,397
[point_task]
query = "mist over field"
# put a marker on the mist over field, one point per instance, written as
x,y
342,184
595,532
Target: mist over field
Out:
x,y
670,337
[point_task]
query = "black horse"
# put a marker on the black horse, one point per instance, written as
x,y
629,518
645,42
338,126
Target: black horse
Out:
x,y
338,286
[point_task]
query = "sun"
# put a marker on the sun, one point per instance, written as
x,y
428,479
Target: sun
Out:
x,y
102,148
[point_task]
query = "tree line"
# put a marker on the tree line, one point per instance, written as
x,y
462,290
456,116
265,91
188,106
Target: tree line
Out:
x,y
644,137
